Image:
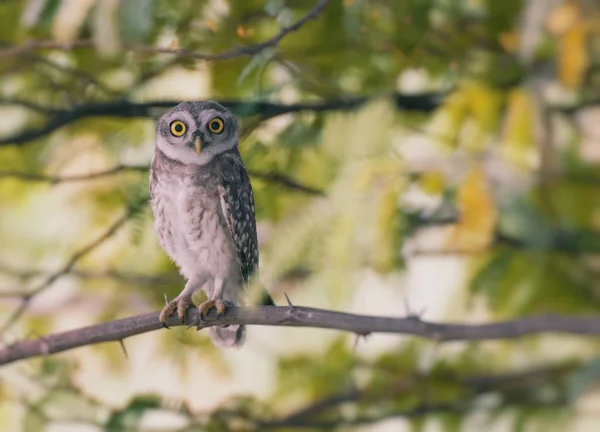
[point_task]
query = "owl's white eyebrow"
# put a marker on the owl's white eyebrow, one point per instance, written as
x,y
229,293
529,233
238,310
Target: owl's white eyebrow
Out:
x,y
206,116
180,115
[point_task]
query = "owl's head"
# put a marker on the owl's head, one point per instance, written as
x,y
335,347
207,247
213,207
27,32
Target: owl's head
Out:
x,y
194,132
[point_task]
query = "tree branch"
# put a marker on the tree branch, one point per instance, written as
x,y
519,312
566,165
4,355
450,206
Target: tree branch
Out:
x,y
296,316
426,102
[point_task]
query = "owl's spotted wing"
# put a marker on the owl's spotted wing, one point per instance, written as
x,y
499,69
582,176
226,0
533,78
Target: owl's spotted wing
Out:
x,y
237,204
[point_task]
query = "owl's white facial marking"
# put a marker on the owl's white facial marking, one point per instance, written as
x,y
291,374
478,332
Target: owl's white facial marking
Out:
x,y
208,129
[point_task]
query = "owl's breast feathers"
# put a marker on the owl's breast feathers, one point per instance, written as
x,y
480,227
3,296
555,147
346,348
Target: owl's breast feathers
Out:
x,y
226,179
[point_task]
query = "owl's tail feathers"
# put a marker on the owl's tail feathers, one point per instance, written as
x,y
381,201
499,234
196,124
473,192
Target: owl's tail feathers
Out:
x,y
228,336
235,335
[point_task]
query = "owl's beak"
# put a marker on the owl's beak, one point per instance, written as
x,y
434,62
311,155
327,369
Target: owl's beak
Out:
x,y
198,145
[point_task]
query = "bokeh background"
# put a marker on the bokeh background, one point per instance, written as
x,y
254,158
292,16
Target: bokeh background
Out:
x,y
428,157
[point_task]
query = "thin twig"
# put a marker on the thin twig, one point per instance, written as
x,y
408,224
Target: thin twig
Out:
x,y
298,316
30,105
331,424
147,280
421,410
54,179
269,177
285,181
65,269
243,51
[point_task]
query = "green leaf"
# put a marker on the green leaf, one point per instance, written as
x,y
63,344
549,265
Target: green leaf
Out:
x,y
451,422
257,63
33,420
129,417
136,20
583,379
45,18
62,403
487,278
272,7
522,221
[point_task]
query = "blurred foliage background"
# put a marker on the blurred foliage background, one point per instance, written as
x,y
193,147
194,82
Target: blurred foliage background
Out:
x,y
431,157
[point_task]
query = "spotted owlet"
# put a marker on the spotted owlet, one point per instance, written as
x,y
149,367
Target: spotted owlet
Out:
x,y
203,208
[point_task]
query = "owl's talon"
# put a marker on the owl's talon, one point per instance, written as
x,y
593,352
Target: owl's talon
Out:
x,y
218,304
166,313
180,304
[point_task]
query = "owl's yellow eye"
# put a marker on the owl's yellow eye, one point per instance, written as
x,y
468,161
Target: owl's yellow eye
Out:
x,y
216,125
178,128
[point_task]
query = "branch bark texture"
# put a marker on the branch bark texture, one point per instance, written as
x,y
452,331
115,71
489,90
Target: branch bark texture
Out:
x,y
295,316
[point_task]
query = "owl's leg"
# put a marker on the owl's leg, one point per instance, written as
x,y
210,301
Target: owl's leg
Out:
x,y
182,302
215,299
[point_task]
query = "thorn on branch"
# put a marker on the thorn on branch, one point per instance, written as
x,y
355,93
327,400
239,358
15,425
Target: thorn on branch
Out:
x,y
123,348
410,314
356,340
300,316
289,302
44,344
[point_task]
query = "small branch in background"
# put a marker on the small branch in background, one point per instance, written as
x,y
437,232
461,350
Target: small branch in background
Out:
x,y
421,410
84,77
364,419
65,269
149,281
298,316
244,51
503,385
269,177
366,405
30,105
53,179
264,110
285,181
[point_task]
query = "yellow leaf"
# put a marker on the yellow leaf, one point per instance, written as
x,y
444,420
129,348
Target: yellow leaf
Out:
x,y
563,17
483,106
212,25
447,122
384,259
477,214
509,41
432,182
518,139
469,116
573,59
241,32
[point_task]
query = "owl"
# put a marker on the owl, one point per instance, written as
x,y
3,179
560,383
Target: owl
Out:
x,y
203,207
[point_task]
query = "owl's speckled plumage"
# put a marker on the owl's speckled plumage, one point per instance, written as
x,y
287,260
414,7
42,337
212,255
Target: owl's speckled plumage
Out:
x,y
204,210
